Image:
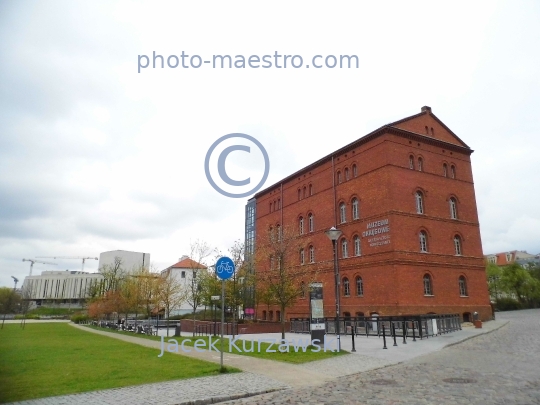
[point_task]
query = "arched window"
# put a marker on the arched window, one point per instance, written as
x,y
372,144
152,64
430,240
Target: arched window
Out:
x,y
420,164
270,206
355,211
264,315
271,233
342,213
457,245
339,177
357,249
271,316
311,225
346,173
279,203
278,231
419,202
305,195
299,194
346,287
445,170
274,205
271,262
359,286
311,189
453,171
428,287
312,254
423,241
344,248
302,290
411,162
354,171
301,256
462,286
453,208
301,225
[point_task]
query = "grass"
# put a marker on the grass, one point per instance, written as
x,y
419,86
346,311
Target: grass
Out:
x,y
292,356
56,359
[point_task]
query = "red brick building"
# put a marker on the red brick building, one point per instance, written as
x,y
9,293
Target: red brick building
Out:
x,y
403,196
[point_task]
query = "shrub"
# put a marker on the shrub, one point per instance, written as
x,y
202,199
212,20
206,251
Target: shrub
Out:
x,y
508,304
78,318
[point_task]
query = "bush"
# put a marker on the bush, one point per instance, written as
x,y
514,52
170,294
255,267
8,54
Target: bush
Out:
x,y
28,316
508,304
78,318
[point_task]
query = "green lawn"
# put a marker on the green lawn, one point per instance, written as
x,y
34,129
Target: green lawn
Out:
x,y
55,358
293,355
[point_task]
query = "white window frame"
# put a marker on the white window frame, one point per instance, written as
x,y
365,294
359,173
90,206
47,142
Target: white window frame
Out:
x,y
346,287
357,246
428,285
312,254
463,287
423,241
359,286
301,225
342,213
311,225
355,210
344,248
458,245
453,208
419,197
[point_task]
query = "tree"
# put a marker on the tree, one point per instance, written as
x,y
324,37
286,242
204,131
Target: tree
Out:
x,y
518,281
494,274
280,275
10,302
199,253
113,274
172,293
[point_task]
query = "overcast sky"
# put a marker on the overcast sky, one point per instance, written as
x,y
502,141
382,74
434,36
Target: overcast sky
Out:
x,y
95,156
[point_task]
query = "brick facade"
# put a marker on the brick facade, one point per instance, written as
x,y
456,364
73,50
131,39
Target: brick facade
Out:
x,y
376,171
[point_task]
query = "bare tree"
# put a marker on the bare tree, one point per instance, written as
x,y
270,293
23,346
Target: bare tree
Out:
x,y
280,272
200,251
172,293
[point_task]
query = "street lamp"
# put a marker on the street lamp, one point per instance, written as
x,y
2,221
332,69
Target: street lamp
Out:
x,y
334,234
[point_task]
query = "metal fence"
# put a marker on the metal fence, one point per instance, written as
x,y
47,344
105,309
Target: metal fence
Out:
x,y
215,329
421,326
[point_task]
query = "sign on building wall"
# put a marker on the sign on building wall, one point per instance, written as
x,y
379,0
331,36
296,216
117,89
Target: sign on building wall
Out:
x,y
377,233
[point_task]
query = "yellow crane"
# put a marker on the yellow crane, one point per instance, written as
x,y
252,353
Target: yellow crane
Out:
x,y
70,257
32,261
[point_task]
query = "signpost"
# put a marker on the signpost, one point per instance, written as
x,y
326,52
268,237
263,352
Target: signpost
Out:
x,y
317,312
224,270
214,299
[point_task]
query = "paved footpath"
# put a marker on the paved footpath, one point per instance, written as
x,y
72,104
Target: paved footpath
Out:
x,y
313,382
501,367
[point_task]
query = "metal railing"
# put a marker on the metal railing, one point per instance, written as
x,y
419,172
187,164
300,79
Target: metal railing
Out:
x,y
214,329
421,326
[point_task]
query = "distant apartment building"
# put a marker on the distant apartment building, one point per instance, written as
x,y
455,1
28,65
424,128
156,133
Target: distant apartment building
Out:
x,y
520,257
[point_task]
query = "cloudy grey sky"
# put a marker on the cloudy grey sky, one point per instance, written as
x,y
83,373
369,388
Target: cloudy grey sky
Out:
x,y
95,156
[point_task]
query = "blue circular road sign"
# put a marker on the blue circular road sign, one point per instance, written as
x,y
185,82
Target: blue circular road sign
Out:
x,y
224,268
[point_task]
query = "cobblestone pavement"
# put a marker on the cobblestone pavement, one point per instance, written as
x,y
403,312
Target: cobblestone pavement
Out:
x,y
502,367
202,390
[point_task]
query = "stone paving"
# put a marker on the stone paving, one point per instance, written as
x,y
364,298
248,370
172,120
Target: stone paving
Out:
x,y
501,367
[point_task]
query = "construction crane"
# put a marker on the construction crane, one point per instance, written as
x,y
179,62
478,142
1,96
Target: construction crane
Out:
x,y
70,257
32,261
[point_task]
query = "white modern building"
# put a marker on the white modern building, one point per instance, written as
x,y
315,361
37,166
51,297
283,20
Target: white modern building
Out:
x,y
185,272
69,288
130,260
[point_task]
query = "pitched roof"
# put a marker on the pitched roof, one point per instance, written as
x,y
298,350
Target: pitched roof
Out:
x,y
187,263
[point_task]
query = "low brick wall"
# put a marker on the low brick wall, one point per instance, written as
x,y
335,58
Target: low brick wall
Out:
x,y
243,328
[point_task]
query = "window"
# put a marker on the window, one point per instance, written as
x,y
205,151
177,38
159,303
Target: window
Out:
x,y
299,194
344,248
274,205
509,257
420,164
419,202
310,223
445,170
264,315
423,241
346,174
279,203
427,131
355,214
301,225
301,256
457,245
432,132
271,262
339,177
453,171
354,171
278,230
428,288
302,290
270,206
411,162
305,195
357,250
183,274
311,254
359,286
346,287
342,213
310,189
462,287
453,208
271,315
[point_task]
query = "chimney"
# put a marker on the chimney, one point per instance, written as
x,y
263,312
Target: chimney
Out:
x,y
426,108
183,258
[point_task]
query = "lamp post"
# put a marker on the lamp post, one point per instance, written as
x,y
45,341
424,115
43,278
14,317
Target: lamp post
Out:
x,y
334,234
